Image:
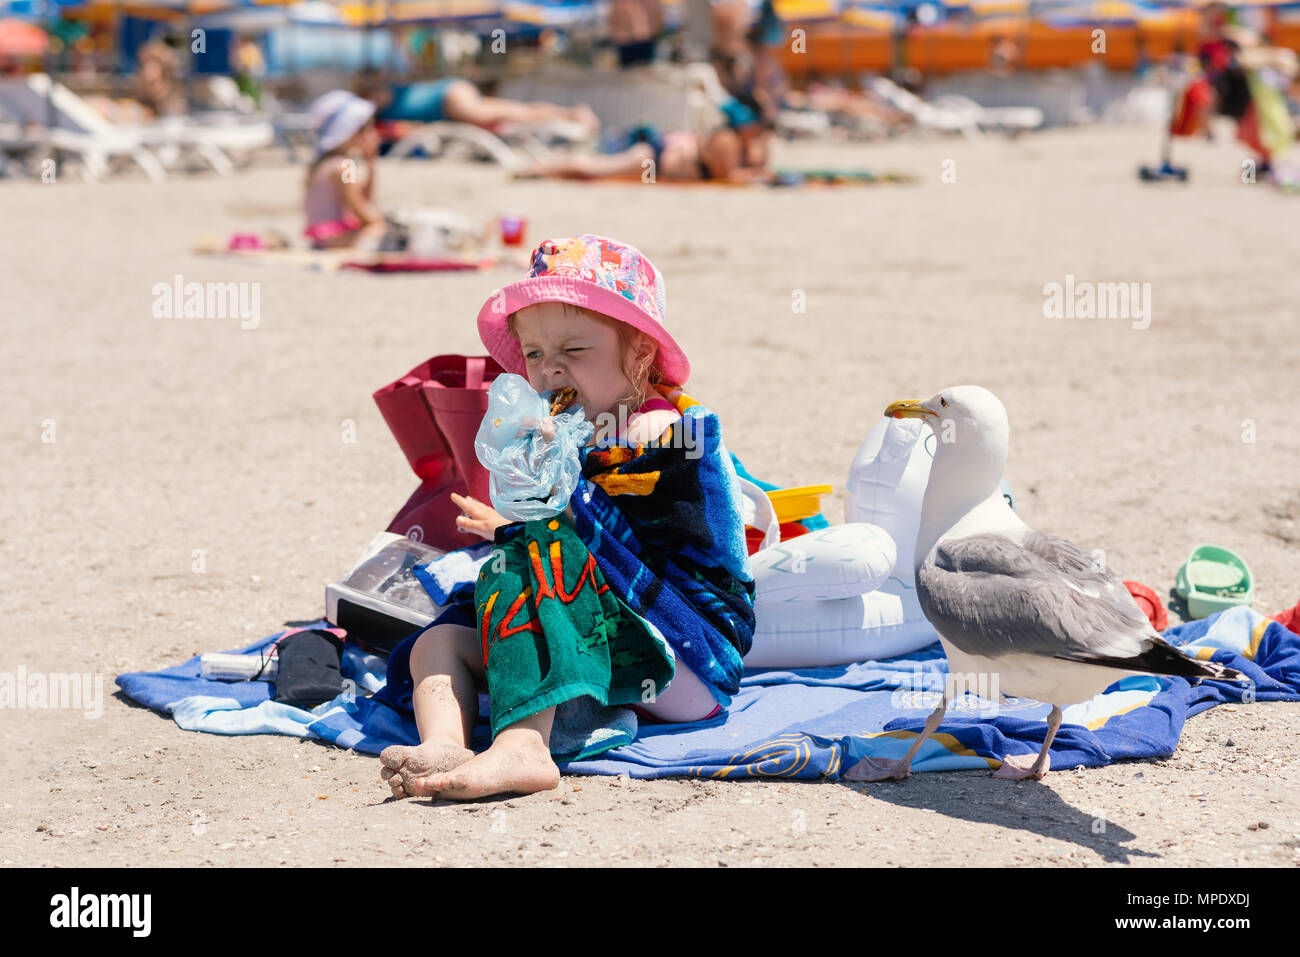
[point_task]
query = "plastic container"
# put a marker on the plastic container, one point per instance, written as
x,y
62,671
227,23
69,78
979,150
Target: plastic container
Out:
x,y
388,577
1214,579
222,667
793,504
513,227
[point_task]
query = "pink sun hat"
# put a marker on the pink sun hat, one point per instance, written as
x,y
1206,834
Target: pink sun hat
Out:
x,y
604,275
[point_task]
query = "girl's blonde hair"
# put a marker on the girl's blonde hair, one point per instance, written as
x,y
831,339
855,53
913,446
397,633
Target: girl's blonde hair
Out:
x,y
642,376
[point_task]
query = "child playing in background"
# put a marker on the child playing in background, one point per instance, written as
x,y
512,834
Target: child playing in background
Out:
x,y
645,593
341,181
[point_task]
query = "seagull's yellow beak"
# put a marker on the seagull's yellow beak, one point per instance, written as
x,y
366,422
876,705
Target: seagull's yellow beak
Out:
x,y
908,409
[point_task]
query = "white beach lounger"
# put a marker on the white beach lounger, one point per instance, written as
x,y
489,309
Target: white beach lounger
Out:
x,y
22,152
17,149
796,124
23,102
213,137
433,138
927,115
1011,120
954,113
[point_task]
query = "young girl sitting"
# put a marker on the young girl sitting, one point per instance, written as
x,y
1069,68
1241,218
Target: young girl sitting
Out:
x,y
341,181
644,596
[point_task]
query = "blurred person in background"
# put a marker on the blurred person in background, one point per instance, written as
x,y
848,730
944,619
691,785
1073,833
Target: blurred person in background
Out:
x,y
248,67
340,184
759,89
157,79
677,155
451,99
635,27
1240,78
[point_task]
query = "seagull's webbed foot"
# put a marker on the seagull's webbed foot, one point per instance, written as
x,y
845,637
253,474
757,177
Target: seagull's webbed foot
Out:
x,y
883,769
1017,767
878,769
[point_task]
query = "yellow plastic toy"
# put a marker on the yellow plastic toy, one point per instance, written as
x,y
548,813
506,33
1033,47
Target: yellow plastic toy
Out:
x,y
793,504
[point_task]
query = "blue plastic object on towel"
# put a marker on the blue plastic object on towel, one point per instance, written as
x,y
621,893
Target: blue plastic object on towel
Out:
x,y
530,476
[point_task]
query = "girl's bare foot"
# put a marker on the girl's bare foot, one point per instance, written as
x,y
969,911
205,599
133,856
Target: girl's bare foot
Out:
x,y
518,762
405,767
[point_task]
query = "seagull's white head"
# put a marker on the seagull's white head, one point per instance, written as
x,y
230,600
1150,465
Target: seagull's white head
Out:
x,y
971,426
970,454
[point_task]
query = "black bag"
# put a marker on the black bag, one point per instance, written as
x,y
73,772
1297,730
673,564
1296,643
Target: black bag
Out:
x,y
1233,91
309,670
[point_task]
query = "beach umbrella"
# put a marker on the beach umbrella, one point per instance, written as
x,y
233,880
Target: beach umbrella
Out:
x,y
561,13
873,16
790,11
147,9
900,14
262,16
177,11
551,13
1239,5
22,40
806,11
1106,13
986,9
374,13
481,15
26,9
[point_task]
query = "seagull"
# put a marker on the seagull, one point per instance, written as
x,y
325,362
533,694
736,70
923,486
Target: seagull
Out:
x,y
1029,614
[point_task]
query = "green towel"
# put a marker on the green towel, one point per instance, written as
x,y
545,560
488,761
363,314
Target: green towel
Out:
x,y
1276,128
551,629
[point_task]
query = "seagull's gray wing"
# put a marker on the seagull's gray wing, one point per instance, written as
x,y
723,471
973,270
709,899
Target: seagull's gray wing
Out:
x,y
990,596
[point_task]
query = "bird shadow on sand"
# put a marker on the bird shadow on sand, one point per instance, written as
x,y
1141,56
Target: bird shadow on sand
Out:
x,y
1028,806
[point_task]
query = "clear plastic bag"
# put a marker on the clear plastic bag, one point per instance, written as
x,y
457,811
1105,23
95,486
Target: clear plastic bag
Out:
x,y
531,456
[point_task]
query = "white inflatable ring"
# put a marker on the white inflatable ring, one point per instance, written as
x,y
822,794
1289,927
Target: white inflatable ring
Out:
x,y
854,598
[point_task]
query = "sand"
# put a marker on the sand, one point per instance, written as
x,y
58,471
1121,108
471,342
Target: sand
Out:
x,y
200,490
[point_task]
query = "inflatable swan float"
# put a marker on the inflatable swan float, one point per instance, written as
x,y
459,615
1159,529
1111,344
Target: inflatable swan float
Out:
x,y
847,593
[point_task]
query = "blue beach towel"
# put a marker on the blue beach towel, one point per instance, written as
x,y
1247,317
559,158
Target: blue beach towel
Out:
x,y
805,724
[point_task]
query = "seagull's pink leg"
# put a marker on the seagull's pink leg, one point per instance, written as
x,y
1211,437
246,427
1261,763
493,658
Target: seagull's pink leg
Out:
x,y
882,769
1019,766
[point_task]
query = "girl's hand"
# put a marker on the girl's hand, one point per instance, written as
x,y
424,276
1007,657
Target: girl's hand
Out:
x,y
479,518
356,197
545,426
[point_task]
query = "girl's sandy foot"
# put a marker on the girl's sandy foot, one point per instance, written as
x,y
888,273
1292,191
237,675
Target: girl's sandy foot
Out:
x,y
403,766
518,762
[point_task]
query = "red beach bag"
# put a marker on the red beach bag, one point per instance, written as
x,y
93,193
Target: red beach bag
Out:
x,y
434,412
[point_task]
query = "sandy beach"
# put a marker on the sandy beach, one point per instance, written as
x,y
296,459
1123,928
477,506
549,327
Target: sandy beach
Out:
x,y
138,448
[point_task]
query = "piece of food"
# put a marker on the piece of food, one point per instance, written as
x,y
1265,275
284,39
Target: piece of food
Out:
x,y
562,400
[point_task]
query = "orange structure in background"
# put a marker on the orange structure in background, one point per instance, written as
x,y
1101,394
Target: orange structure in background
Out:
x,y
834,50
